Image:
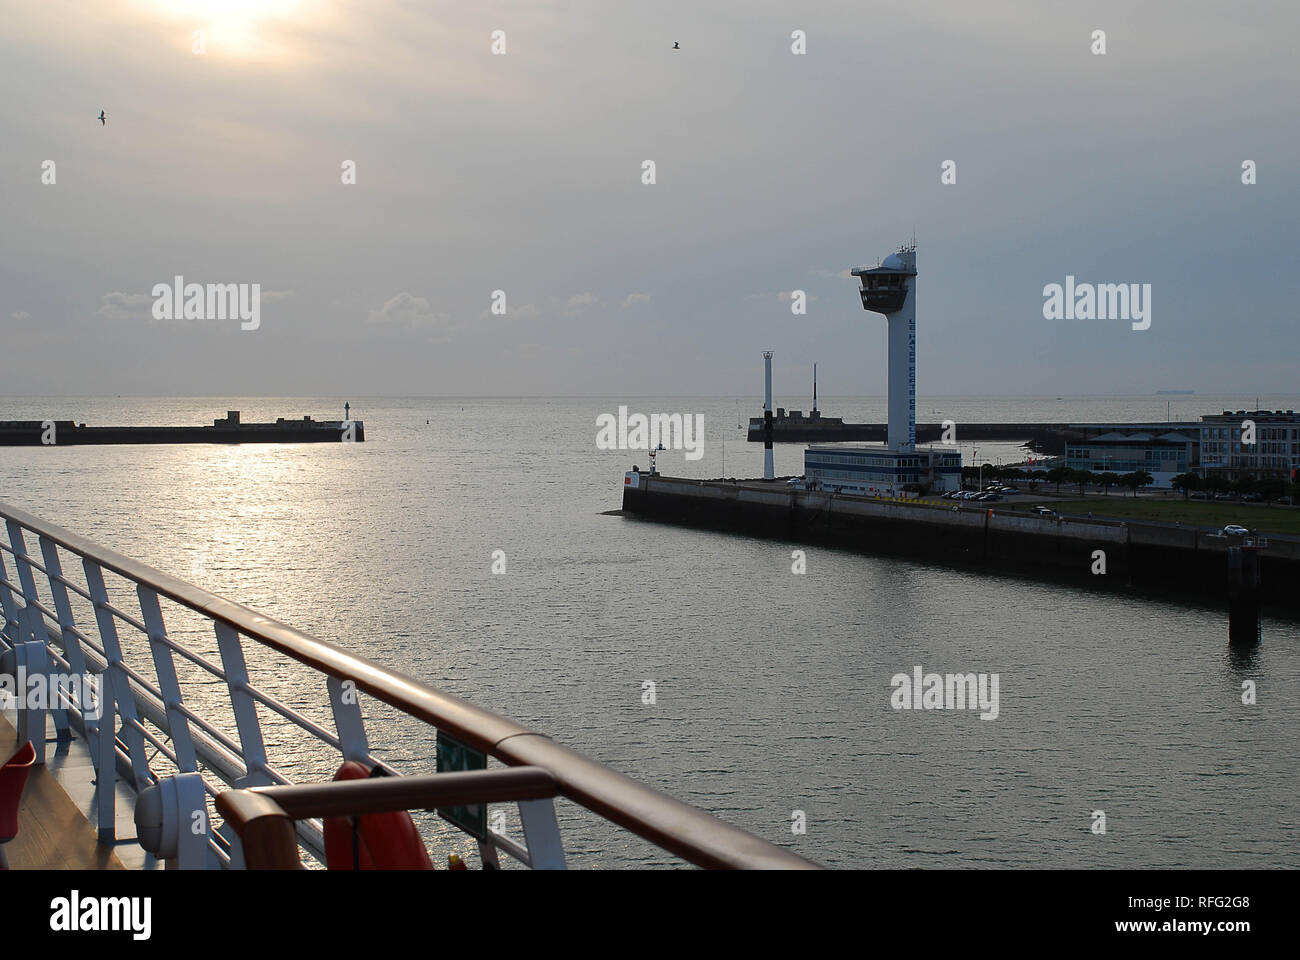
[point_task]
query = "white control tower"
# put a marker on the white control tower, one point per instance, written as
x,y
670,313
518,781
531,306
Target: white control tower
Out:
x,y
891,289
899,468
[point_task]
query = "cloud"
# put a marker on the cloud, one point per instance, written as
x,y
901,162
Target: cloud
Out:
x,y
574,306
634,298
21,316
529,311
125,306
579,302
118,307
408,312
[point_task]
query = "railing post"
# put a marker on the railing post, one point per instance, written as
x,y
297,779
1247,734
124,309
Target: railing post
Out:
x,y
31,622
31,651
26,582
178,726
72,643
542,834
59,698
348,721
118,686
192,801
105,757
244,706
9,629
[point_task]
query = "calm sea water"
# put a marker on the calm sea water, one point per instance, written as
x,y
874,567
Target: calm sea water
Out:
x,y
772,690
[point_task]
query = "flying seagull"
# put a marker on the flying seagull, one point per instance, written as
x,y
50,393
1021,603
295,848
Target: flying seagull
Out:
x,y
676,45
101,118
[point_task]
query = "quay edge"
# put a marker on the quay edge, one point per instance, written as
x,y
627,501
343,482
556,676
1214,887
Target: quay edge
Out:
x,y
1137,554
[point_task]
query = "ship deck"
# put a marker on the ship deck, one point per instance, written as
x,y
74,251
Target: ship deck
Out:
x,y
53,833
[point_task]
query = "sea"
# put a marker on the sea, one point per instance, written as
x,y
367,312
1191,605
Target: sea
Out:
x,y
475,544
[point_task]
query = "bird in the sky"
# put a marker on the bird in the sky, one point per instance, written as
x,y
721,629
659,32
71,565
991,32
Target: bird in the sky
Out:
x,y
101,118
676,45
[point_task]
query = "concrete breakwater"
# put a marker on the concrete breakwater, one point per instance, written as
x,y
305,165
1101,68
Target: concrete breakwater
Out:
x,y
1048,438
1132,553
228,429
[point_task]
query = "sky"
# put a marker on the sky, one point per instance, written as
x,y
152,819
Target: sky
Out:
x,y
522,172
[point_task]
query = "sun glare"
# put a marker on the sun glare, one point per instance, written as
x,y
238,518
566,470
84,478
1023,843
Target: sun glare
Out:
x,y
237,28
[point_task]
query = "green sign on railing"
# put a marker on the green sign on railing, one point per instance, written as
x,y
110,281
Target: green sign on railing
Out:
x,y
455,757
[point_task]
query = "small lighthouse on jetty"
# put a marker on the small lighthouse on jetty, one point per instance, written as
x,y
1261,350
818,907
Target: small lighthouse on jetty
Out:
x,y
769,469
889,289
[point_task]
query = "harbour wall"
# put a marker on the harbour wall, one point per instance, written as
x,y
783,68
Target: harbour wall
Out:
x,y
1136,554
66,433
1048,438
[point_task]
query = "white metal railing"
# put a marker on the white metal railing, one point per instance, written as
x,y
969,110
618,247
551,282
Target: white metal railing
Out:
x,y
122,710
153,725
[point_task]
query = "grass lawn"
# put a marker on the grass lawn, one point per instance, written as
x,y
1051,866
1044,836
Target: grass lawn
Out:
x,y
1274,519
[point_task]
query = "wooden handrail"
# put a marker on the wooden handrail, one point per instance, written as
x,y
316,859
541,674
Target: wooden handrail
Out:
x,y
263,816
265,831
384,794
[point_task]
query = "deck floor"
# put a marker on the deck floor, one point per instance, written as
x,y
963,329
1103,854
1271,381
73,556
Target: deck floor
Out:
x,y
53,834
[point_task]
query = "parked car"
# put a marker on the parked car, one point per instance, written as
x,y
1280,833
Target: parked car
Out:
x,y
1234,530
1224,496
1251,498
1043,511
1199,495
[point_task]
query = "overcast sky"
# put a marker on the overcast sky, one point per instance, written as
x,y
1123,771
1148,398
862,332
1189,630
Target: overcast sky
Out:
x,y
523,172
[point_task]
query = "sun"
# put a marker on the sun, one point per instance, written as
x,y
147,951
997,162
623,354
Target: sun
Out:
x,y
237,28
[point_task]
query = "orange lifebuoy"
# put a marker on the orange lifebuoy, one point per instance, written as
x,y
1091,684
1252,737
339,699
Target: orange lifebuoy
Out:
x,y
374,841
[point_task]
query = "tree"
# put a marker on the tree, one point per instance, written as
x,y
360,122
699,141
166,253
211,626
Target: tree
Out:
x,y
1271,488
1058,476
1082,478
1107,480
1186,482
1215,483
1136,479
